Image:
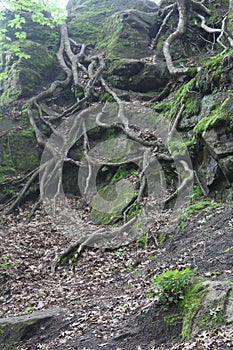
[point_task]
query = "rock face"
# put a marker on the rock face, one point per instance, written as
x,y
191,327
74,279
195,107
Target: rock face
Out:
x,y
137,75
123,31
24,76
15,329
216,307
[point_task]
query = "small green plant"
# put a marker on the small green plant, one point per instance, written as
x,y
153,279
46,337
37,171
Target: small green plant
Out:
x,y
142,241
170,286
29,309
6,265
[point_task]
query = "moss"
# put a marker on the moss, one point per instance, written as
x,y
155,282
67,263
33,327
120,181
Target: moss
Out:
x,y
133,211
221,113
173,319
162,238
213,73
142,241
186,95
190,306
18,155
106,97
200,206
23,148
113,43
87,25
108,205
214,316
24,75
178,148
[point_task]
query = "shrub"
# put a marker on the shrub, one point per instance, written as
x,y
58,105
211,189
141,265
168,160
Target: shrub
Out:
x,y
170,286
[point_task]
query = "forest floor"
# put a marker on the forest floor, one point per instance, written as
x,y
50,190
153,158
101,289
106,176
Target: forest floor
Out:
x,y
104,302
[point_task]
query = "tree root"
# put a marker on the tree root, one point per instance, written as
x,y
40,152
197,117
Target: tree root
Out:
x,y
103,238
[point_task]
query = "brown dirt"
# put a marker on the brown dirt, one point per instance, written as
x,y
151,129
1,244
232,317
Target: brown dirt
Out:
x,y
105,300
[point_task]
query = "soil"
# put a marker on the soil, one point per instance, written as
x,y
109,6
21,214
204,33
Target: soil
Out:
x,y
104,300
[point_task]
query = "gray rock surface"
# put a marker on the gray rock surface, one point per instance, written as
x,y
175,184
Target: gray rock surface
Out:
x,y
15,329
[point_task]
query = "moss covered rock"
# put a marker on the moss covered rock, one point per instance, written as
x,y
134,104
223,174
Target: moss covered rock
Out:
x,y
109,204
137,75
87,17
18,155
13,330
26,76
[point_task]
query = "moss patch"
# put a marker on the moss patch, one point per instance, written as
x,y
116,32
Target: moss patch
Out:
x,y
18,155
24,75
108,204
190,306
220,114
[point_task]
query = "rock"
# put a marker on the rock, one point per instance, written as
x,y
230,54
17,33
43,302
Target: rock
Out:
x,y
136,75
219,147
219,141
25,76
109,204
226,165
87,17
128,34
15,329
216,307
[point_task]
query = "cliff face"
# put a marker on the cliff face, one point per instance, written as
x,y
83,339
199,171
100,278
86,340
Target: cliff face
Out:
x,y
125,111
131,35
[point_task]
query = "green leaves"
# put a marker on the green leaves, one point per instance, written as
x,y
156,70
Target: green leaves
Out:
x,y
13,21
16,22
170,286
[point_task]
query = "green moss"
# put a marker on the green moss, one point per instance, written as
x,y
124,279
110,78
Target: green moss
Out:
x,y
87,25
214,316
221,113
187,96
172,319
162,238
134,210
122,172
213,73
18,155
200,206
142,241
165,107
26,75
178,148
108,205
113,43
106,97
190,306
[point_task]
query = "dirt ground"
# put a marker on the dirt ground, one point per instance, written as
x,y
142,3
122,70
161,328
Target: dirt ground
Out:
x,y
104,301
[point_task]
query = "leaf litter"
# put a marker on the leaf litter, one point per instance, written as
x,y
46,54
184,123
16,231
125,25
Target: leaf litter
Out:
x,y
103,298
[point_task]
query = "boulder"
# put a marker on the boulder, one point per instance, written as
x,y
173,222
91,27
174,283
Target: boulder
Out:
x,y
88,18
219,141
13,330
216,307
109,204
137,75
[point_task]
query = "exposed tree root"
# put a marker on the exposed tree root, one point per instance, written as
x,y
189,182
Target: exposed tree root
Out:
x,y
103,238
76,61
